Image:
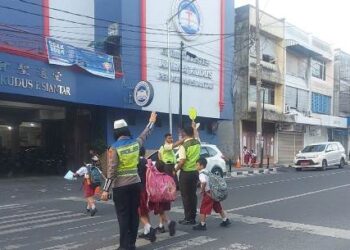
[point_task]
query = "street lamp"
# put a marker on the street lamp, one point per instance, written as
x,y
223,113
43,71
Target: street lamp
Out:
x,y
169,70
180,83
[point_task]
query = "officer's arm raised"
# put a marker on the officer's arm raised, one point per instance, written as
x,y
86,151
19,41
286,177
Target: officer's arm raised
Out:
x,y
147,131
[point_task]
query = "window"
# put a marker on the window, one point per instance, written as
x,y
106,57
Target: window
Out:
x,y
318,69
297,98
211,151
321,103
204,152
269,94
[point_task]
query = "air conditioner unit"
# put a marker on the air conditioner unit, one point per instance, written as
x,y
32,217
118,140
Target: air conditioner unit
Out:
x,y
287,109
308,113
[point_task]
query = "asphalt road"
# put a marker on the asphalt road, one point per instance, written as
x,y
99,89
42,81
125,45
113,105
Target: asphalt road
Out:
x,y
287,210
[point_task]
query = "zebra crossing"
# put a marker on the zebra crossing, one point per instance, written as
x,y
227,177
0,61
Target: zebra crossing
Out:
x,y
30,227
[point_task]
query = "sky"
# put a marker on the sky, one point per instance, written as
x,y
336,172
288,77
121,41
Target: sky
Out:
x,y
327,20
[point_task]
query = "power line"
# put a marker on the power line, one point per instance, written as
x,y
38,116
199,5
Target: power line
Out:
x,y
101,26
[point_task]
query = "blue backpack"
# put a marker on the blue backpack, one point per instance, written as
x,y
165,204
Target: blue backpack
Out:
x,y
95,176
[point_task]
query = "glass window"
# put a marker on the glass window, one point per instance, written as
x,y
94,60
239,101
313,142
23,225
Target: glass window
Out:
x,y
204,152
321,103
314,148
269,93
318,69
211,152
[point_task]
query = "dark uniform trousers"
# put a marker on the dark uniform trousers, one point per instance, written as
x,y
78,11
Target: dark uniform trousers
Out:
x,y
126,202
188,187
169,169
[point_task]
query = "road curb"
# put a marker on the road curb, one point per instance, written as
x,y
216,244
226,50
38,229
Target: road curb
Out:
x,y
252,172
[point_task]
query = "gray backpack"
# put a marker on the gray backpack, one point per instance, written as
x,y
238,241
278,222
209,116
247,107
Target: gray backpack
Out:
x,y
218,187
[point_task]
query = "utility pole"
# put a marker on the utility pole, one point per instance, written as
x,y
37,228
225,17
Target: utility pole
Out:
x,y
258,85
180,86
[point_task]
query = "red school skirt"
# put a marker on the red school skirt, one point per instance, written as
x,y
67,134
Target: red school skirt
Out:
x,y
89,190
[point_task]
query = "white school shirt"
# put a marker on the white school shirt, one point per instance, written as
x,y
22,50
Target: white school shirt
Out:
x,y
82,171
203,178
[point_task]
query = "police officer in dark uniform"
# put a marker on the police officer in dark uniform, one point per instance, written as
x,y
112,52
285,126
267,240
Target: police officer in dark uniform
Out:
x,y
122,175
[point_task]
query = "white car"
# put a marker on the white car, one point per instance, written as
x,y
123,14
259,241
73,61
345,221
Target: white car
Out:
x,y
320,155
216,163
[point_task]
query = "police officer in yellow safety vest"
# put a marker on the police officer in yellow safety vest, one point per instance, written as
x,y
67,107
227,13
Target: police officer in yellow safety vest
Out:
x,y
123,157
189,153
167,155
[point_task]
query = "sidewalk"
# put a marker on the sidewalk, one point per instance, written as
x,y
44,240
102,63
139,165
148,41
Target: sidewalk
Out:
x,y
244,171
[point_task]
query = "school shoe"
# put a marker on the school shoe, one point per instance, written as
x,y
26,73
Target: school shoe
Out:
x,y
172,228
200,227
93,212
160,230
225,223
187,222
151,236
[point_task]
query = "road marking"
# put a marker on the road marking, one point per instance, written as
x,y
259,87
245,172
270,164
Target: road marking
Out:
x,y
88,225
57,223
179,209
237,246
287,198
12,247
39,221
291,226
67,246
143,242
29,213
287,180
11,206
34,217
75,198
187,244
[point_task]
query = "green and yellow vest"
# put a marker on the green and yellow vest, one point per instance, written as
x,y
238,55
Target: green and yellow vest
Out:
x,y
193,149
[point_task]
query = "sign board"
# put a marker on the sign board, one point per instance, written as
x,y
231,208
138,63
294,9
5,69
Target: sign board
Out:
x,y
201,56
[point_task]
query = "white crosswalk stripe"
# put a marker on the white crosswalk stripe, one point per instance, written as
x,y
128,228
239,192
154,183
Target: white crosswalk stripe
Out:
x,y
26,214
33,217
187,244
143,242
11,206
237,246
20,224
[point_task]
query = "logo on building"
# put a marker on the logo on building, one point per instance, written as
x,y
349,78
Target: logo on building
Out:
x,y
143,93
189,20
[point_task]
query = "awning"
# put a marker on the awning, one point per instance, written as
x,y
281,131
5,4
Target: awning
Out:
x,y
301,48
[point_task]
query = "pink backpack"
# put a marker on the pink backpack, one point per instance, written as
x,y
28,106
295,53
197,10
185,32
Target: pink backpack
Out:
x,y
160,186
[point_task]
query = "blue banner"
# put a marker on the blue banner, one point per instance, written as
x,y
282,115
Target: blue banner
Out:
x,y
60,53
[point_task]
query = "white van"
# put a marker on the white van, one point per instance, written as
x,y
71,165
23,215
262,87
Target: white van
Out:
x,y
321,155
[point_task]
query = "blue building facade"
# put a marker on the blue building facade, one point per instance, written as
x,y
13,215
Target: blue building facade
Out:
x,y
64,110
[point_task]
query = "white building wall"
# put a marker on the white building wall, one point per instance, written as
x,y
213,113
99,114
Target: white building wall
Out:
x,y
79,34
315,134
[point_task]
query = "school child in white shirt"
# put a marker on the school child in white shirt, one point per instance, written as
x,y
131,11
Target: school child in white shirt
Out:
x,y
208,204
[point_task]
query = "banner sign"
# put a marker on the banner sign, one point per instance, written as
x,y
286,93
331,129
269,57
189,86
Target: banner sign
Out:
x,y
60,53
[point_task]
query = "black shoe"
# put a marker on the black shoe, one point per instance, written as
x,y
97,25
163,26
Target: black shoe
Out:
x,y
151,236
200,227
172,228
225,223
143,236
160,229
93,212
187,222
87,210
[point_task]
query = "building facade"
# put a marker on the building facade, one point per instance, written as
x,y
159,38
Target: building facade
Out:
x,y
342,92
54,111
273,83
304,103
